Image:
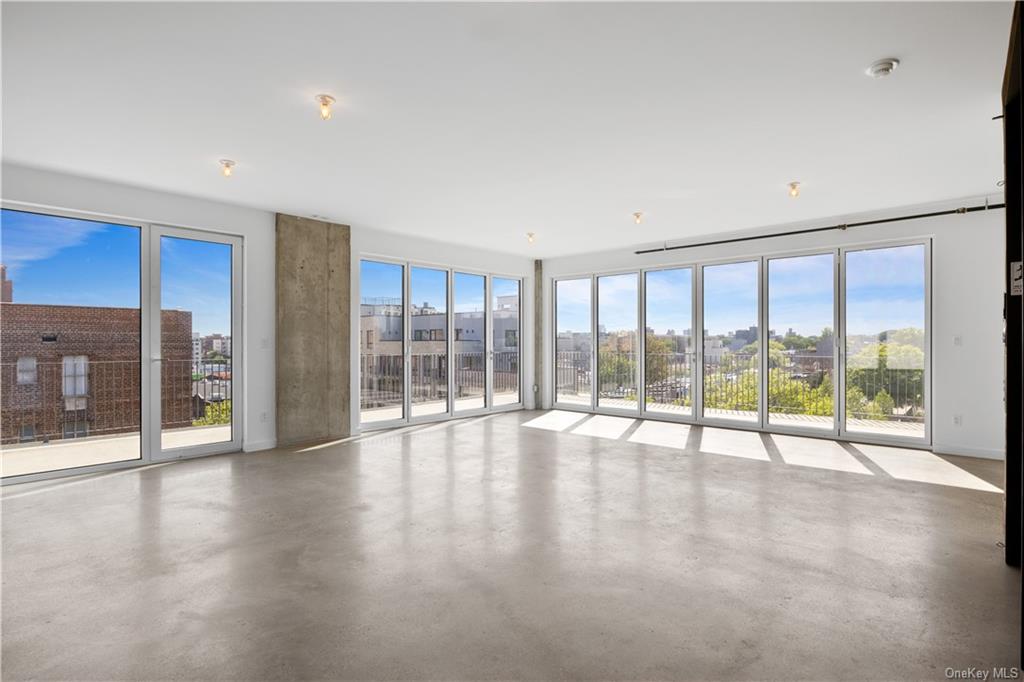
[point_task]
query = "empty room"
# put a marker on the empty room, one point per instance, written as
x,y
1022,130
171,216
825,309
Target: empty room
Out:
x,y
511,340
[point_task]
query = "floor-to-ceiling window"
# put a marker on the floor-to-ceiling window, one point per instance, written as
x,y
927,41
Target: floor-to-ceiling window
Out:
x,y
381,342
801,341
668,341
731,341
195,334
83,302
428,310
431,346
469,341
886,314
833,342
70,342
506,348
573,341
617,342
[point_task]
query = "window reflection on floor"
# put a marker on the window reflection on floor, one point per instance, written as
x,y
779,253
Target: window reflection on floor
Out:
x,y
556,420
904,464
817,453
603,426
921,466
746,444
664,434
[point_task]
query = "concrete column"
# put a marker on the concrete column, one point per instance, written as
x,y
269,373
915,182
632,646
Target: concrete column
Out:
x,y
313,273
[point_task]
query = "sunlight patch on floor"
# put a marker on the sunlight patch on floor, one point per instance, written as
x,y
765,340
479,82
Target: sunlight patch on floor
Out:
x,y
923,467
817,453
603,426
556,420
661,433
745,444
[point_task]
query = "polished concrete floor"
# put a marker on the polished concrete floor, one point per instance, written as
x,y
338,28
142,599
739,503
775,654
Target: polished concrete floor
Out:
x,y
517,545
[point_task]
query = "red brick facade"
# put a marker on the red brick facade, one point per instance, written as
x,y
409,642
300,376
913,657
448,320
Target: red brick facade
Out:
x,y
110,340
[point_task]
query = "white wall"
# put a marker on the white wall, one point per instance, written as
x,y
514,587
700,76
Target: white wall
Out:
x,y
967,290
375,243
45,189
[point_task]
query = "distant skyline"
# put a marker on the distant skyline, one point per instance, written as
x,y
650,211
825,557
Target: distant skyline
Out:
x,y
55,260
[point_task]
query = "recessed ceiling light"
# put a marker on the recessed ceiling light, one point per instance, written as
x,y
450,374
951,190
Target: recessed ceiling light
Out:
x,y
638,217
530,237
227,166
883,67
325,102
794,189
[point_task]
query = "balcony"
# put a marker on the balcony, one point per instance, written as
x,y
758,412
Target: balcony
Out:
x,y
382,382
54,422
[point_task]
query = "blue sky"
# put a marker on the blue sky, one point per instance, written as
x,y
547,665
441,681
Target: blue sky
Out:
x,y
428,285
885,290
63,261
669,303
800,294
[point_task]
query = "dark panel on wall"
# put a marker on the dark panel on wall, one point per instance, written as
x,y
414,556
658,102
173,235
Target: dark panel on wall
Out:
x,y
1013,311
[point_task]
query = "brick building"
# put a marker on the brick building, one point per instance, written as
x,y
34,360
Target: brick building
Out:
x,y
73,371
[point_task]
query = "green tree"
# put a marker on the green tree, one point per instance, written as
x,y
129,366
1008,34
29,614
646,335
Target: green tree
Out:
x,y
660,353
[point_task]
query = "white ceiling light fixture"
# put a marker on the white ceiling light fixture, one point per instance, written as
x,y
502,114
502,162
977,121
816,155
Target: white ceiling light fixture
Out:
x,y
794,189
227,167
883,67
638,217
530,236
325,102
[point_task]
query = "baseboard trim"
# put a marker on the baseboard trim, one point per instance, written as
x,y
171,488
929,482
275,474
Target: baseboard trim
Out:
x,y
983,453
259,445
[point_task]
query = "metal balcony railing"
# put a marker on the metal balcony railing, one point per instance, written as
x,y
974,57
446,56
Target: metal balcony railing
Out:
x,y
104,397
381,376
799,384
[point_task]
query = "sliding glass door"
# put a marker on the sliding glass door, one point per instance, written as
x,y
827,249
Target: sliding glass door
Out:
x,y
506,300
802,342
617,341
71,342
430,345
381,342
199,327
886,341
118,343
731,342
668,342
428,291
830,343
470,334
573,342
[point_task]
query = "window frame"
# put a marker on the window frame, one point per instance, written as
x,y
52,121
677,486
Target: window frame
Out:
x,y
761,424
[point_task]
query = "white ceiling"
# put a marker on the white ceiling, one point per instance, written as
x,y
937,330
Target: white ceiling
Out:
x,y
478,123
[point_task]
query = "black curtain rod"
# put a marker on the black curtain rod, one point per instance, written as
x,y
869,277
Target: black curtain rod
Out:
x,y
842,226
